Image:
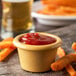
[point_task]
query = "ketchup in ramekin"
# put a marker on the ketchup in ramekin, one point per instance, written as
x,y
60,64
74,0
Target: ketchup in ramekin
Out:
x,y
36,39
37,51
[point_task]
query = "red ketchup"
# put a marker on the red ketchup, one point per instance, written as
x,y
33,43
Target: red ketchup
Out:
x,y
36,39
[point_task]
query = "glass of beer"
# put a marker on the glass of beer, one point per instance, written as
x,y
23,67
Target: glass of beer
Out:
x,y
16,17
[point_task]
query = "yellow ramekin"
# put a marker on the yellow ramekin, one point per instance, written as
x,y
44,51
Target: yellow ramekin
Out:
x,y
37,58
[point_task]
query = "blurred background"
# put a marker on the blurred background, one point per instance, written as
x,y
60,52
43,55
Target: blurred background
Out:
x,y
36,0
55,23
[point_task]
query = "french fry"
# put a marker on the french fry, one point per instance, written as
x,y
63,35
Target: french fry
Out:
x,y
4,53
74,46
69,68
60,52
6,44
71,3
6,47
8,39
59,7
63,62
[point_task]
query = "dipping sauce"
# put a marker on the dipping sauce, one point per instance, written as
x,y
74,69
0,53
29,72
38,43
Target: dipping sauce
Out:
x,y
37,50
36,39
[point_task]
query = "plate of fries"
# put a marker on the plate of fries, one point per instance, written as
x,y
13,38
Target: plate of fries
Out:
x,y
56,18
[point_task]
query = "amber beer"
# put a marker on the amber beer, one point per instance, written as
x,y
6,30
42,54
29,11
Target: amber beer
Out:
x,y
17,16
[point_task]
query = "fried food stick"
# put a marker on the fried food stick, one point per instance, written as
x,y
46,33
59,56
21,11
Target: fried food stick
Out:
x,y
69,68
8,42
4,53
74,46
8,39
63,62
70,3
6,47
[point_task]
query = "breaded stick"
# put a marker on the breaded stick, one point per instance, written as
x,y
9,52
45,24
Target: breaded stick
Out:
x,y
74,46
69,68
63,62
4,53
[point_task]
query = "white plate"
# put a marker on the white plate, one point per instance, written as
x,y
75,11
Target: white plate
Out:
x,y
51,20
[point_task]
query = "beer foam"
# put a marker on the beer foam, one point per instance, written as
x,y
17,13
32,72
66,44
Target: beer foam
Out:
x,y
16,0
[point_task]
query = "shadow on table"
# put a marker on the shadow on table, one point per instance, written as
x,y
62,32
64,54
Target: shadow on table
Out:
x,y
42,28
